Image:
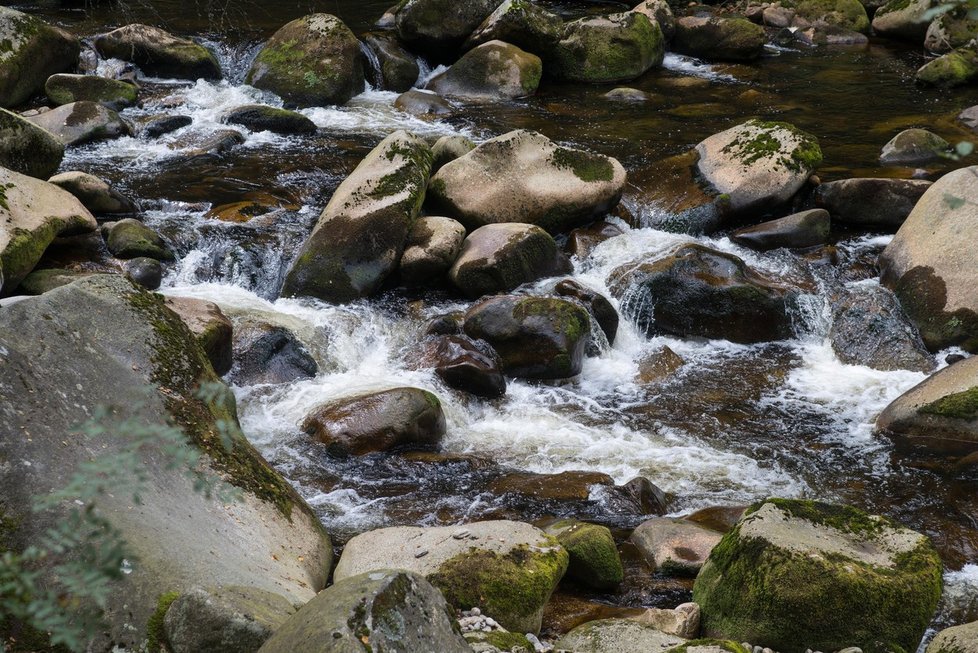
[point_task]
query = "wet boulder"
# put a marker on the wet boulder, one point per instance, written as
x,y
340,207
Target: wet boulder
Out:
x,y
877,203
804,229
801,574
433,245
582,241
601,310
312,61
523,23
26,148
616,636
533,180
144,271
81,122
398,68
660,12
210,327
930,262
422,103
819,35
439,27
594,560
939,414
700,292
612,48
220,619
903,19
914,147
536,337
957,639
956,68
360,236
268,353
758,165
65,89
869,328
499,257
32,52
508,569
383,610
130,238
400,418
719,39
846,14
159,53
674,547
950,30
463,363
491,71
448,148
32,214
130,352
161,125
259,117
95,194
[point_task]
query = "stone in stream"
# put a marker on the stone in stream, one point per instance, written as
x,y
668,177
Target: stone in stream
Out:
x,y
27,148
659,12
674,547
951,30
534,181
422,103
582,241
32,214
160,125
398,68
903,19
877,203
360,236
611,48
159,53
846,14
601,310
700,292
439,27
32,51
930,262
939,414
914,147
499,257
259,117
626,94
804,229
268,353
831,35
594,560
508,569
312,61
682,621
463,363
65,89
957,639
956,68
211,328
433,245
400,418
102,341
145,271
616,636
491,71
719,39
799,574
536,337
522,23
130,238
95,194
381,610
81,122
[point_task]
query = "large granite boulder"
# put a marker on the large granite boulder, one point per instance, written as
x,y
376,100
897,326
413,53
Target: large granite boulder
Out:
x,y
957,639
463,363
594,559
268,353
803,229
398,68
492,71
81,122
211,328
32,51
361,233
675,547
523,23
617,636
612,48
130,238
915,147
27,148
870,202
259,117
67,88
439,27
845,14
719,39
159,53
95,194
433,245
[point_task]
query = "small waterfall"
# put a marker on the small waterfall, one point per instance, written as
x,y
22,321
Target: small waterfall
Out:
x,y
375,76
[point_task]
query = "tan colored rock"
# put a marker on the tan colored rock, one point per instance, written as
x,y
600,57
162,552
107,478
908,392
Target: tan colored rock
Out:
x,y
675,546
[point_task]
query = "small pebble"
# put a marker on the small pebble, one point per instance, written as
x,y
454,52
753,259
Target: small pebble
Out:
x,y
421,554
460,535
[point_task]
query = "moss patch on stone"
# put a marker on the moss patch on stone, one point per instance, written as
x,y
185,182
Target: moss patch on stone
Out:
x,y
584,165
960,405
806,155
845,519
155,637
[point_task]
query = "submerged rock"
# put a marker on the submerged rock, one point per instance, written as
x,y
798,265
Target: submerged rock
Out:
x,y
491,71
268,353
398,68
534,181
800,574
95,194
804,229
211,328
160,125
507,569
594,560
259,117
65,89
27,148
32,51
612,48
312,61
616,636
465,364
674,547
433,245
523,23
439,27
159,53
878,203
81,122
719,39
915,147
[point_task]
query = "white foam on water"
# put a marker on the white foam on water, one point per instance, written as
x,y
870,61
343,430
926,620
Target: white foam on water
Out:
x,y
691,66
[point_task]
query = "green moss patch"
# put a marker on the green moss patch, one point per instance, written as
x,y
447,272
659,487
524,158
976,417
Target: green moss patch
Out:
x,y
960,405
155,637
584,165
806,155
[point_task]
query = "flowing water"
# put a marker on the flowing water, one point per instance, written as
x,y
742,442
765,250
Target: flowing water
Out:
x,y
734,424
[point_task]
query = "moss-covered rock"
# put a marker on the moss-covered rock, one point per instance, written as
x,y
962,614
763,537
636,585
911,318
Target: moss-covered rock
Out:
x,y
710,646
398,68
719,39
360,235
95,194
433,245
30,52
613,48
27,148
616,636
491,71
801,574
259,117
422,103
846,14
39,282
803,229
958,639
498,641
130,238
594,560
65,89
951,30
915,147
507,569
523,23
602,312
383,610
956,68
312,61
532,180
440,27
81,122
159,53
211,328
659,12
903,19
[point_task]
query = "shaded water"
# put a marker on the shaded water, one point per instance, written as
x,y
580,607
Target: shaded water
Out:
x,y
734,424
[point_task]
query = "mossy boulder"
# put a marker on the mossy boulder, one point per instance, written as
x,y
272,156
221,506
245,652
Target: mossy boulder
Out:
x,y
81,122
31,52
602,312
804,229
361,233
399,418
130,238
433,245
758,165
95,194
956,68
801,575
440,27
846,14
939,414
903,19
497,641
27,148
523,23
674,547
914,147
930,263
463,363
211,328
159,53
507,569
398,68
616,636
957,639
531,180
877,203
32,214
102,341
536,337
594,560
612,48
950,30
705,293
382,610
715,38
659,11
312,61
259,117
66,88
499,257
491,71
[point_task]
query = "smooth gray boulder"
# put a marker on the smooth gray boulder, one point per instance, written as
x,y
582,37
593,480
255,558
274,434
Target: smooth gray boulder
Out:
x,y
259,117
159,53
674,547
81,122
914,147
804,229
422,103
715,38
957,639
27,148
870,202
130,238
433,245
449,148
32,51
903,19
616,636
67,88
95,194
491,71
